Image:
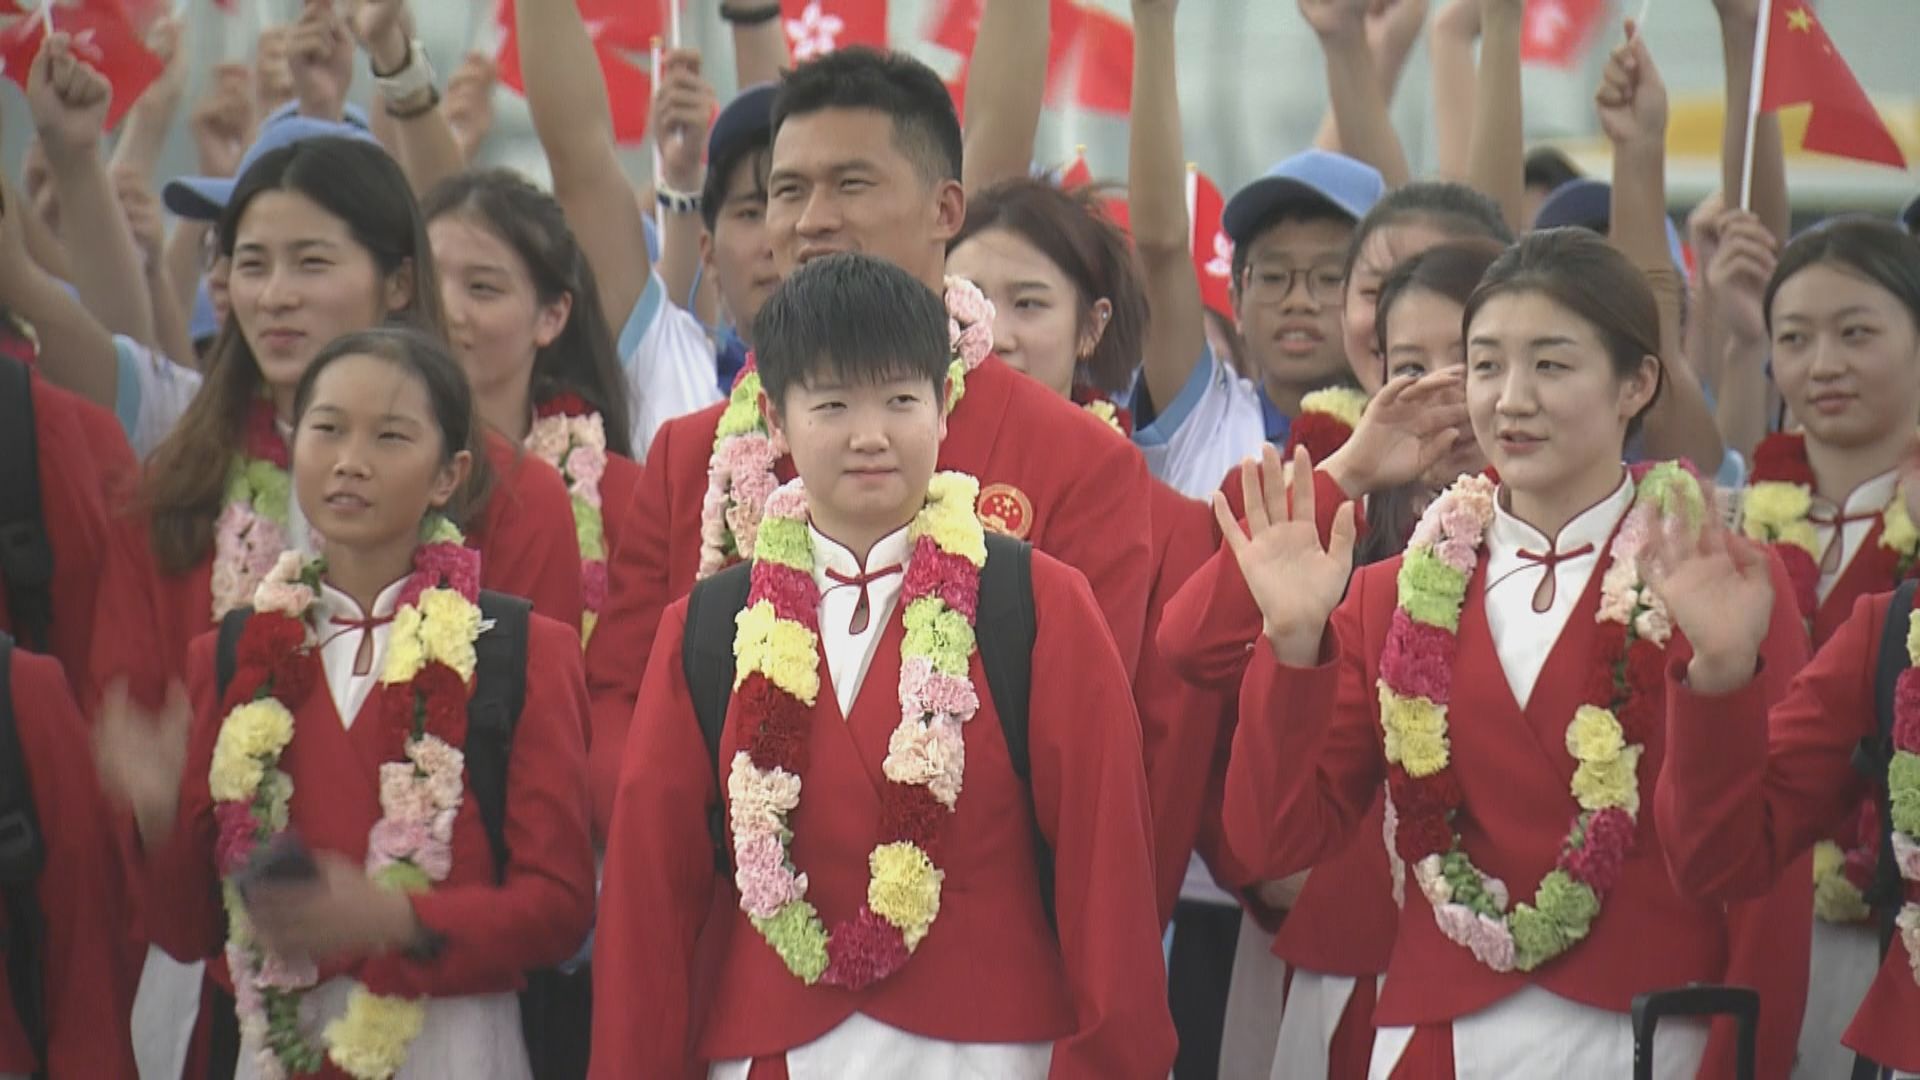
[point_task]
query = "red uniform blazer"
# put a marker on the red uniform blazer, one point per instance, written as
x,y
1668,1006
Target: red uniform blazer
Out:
x,y
680,976
1308,764
1082,493
1747,791
495,928
1343,921
81,465
80,894
525,537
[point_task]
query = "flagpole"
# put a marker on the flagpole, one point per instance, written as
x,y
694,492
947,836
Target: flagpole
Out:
x,y
1193,198
1761,33
46,16
673,25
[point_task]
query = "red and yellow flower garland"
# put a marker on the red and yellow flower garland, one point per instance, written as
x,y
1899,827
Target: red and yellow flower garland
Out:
x,y
1326,421
1903,791
777,656
1607,735
425,684
1777,510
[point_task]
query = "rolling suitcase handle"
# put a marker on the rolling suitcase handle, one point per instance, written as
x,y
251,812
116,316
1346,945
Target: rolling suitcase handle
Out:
x,y
1737,1001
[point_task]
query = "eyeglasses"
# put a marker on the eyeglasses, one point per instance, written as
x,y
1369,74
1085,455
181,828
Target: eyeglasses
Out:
x,y
1270,283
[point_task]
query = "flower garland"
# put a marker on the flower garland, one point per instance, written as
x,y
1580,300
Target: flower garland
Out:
x,y
1104,409
777,653
571,436
1777,510
425,684
251,531
1326,421
1607,735
1903,790
740,475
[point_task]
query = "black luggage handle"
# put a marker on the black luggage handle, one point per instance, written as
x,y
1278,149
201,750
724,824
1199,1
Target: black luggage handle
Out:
x,y
1739,1002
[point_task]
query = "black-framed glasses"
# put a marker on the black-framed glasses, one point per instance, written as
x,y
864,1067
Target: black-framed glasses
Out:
x,y
1272,282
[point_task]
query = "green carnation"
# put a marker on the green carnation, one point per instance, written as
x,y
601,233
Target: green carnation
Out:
x,y
785,541
1430,590
742,416
940,634
1537,938
796,934
589,529
402,877
271,490
1568,903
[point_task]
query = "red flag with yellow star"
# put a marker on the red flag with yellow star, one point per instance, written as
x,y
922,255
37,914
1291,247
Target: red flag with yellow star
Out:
x,y
1803,67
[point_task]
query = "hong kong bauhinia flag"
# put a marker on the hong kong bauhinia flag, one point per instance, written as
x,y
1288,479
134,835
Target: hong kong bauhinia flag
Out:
x,y
817,27
1557,32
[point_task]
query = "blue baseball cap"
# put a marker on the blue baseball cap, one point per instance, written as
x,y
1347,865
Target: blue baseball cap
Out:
x,y
1910,215
1588,204
204,198
1346,184
746,121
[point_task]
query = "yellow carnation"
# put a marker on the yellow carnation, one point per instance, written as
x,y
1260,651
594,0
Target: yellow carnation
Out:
x,y
1342,403
1422,754
371,1041
1594,734
904,888
781,649
1913,635
1771,505
234,776
1897,529
1410,715
406,653
450,624
951,519
1801,535
257,729
1613,782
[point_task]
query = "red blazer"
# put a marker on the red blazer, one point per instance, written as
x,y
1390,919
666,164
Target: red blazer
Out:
x,y
680,976
79,889
1749,790
1180,723
525,537
1308,765
82,464
494,929
1084,494
1343,921
617,487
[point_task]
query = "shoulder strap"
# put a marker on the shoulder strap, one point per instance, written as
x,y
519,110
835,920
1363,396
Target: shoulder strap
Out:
x,y
1007,629
1872,758
499,693
706,660
22,856
226,653
26,556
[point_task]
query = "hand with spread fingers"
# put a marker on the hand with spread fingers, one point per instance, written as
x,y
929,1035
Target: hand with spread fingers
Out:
x,y
1296,580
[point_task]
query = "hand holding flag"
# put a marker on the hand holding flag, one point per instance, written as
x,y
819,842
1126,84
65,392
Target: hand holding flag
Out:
x,y
68,99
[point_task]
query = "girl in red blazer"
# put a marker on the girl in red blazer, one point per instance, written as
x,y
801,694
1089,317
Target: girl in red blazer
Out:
x,y
1750,793
1495,678
396,946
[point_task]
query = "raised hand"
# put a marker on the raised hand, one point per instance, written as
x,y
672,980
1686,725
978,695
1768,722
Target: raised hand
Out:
x,y
379,27
273,68
1718,590
68,99
1410,426
321,55
144,218
1296,580
468,103
683,104
1632,99
141,757
222,121
1395,23
1738,273
1338,18
166,39
1703,227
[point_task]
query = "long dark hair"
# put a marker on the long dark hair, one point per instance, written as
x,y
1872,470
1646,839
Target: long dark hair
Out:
x,y
1579,270
581,360
448,391
1076,235
1876,250
357,183
1452,271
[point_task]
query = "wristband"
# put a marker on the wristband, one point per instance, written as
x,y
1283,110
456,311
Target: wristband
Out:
x,y
751,16
676,202
414,78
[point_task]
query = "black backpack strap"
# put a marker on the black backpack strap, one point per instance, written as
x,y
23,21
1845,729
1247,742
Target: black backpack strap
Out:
x,y
227,650
23,854
499,692
706,660
26,556
1007,628
1871,758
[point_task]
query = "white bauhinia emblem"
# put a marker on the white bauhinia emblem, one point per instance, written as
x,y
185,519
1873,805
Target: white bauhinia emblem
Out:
x,y
1221,265
1546,24
815,32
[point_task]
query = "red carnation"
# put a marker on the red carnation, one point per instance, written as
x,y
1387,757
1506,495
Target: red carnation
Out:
x,y
1418,659
776,733
1782,458
565,403
1319,433
1417,836
268,638
1601,690
933,572
295,676
1906,711
793,593
234,845
262,436
1859,866
1598,860
246,685
593,583
444,693
1428,796
909,812
863,951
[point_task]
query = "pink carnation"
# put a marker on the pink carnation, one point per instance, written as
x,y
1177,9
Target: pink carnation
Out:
x,y
951,578
266,541
402,796
932,755
754,488
393,841
1459,521
967,304
743,454
1907,854
589,430
1418,659
435,859
246,993
442,828
1906,711
974,344
1426,532
1597,863
944,695
1459,553
863,951
1457,922
1491,943
238,829
585,466
593,583
280,973
790,502
761,875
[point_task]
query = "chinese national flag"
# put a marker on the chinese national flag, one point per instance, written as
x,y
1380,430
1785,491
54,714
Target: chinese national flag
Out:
x,y
1557,32
1212,251
102,37
1076,30
1803,67
955,25
818,27
1104,79
1079,175
629,86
